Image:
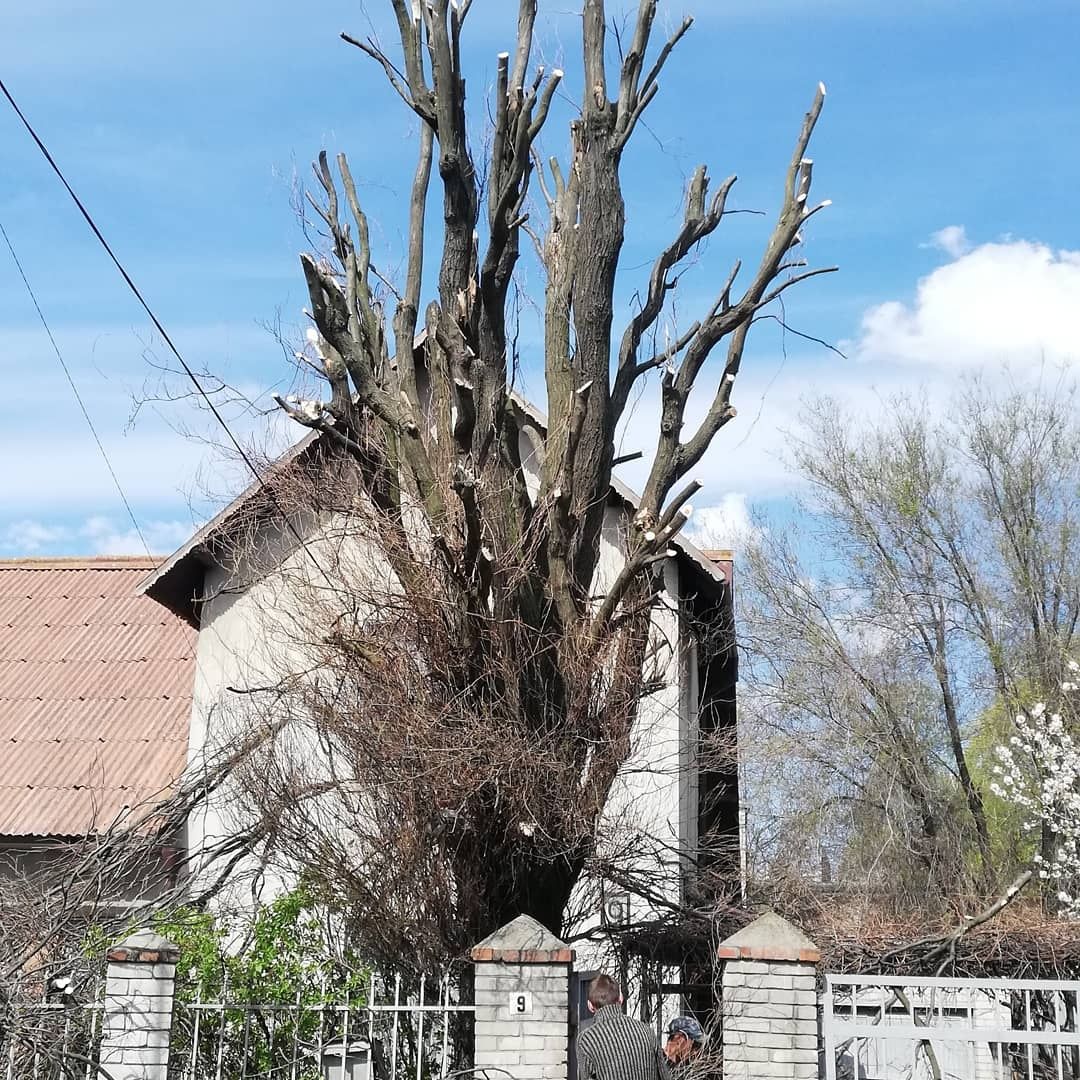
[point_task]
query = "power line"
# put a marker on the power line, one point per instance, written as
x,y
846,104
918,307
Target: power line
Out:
x,y
74,388
160,328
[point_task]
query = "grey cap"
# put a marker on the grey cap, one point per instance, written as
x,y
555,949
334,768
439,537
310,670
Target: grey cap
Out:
x,y
688,1026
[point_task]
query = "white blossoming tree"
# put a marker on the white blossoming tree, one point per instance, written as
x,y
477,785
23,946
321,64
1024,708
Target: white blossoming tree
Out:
x,y
1038,770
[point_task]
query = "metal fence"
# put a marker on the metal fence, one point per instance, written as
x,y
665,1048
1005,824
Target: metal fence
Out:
x,y
387,1030
384,1029
43,1039
877,1027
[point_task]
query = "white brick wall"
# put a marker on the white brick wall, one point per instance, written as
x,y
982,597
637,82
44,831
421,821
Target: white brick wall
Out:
x,y
531,1046
770,1020
137,1012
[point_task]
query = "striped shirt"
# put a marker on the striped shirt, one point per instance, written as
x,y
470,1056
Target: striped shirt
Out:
x,y
617,1047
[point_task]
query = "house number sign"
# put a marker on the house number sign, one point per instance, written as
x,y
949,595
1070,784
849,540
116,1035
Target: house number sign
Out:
x,y
520,1003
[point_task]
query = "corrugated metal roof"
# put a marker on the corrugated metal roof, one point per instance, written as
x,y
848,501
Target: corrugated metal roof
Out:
x,y
95,694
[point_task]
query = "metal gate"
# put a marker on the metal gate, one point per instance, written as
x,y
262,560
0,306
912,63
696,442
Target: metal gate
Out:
x,y
877,1027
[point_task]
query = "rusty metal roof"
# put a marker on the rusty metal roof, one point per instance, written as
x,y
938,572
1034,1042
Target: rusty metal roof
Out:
x,y
724,558
95,694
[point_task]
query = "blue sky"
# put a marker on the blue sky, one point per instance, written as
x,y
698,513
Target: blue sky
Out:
x,y
186,127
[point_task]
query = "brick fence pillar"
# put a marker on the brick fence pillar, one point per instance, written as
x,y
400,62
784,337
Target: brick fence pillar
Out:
x,y
522,1002
138,1005
769,1004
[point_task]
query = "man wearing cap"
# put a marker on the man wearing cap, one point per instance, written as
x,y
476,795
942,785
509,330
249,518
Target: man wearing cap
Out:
x,y
684,1041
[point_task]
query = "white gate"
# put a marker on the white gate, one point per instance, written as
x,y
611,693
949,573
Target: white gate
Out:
x,y
878,1027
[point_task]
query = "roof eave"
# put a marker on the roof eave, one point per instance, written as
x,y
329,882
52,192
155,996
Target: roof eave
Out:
x,y
177,583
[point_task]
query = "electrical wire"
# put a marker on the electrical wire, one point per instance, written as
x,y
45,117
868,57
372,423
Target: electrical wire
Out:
x,y
74,388
161,329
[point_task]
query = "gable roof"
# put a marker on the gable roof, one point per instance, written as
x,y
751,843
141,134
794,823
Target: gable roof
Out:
x,y
95,694
177,582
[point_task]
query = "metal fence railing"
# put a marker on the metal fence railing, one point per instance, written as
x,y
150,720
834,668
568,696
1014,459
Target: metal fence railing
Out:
x,y
877,1027
386,1030
375,1029
43,1039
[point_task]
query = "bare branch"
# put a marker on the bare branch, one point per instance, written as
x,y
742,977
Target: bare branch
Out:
x,y
729,320
698,223
635,95
526,22
394,77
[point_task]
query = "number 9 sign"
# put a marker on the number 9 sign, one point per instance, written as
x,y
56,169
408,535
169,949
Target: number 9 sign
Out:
x,y
520,1003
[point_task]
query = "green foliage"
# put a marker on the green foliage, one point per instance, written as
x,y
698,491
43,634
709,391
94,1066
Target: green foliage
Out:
x,y
266,980
908,497
265,959
1011,846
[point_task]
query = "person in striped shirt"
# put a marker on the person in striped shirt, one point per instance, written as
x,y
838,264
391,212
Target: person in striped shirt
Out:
x,y
615,1046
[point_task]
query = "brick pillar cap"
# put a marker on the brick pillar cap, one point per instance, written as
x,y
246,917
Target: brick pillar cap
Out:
x,y
144,947
522,941
769,937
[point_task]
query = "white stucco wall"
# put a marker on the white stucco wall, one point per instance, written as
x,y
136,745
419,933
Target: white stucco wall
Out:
x,y
239,647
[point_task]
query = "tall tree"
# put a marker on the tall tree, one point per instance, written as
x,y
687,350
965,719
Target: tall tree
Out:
x,y
933,591
497,610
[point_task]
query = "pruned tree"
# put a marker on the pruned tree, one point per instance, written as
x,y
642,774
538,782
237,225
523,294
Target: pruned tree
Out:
x,y
498,616
931,594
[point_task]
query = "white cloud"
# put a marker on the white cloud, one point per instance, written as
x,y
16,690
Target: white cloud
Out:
x,y
952,240
107,537
1011,301
28,537
96,535
725,525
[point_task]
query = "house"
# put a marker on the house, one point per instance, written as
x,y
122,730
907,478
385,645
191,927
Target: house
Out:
x,y
229,582
95,703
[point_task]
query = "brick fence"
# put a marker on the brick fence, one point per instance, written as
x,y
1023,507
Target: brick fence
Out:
x,y
138,1008
769,1002
522,995
522,984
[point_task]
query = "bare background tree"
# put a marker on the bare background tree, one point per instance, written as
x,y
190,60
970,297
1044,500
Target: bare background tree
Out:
x,y
477,676
63,901
935,594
